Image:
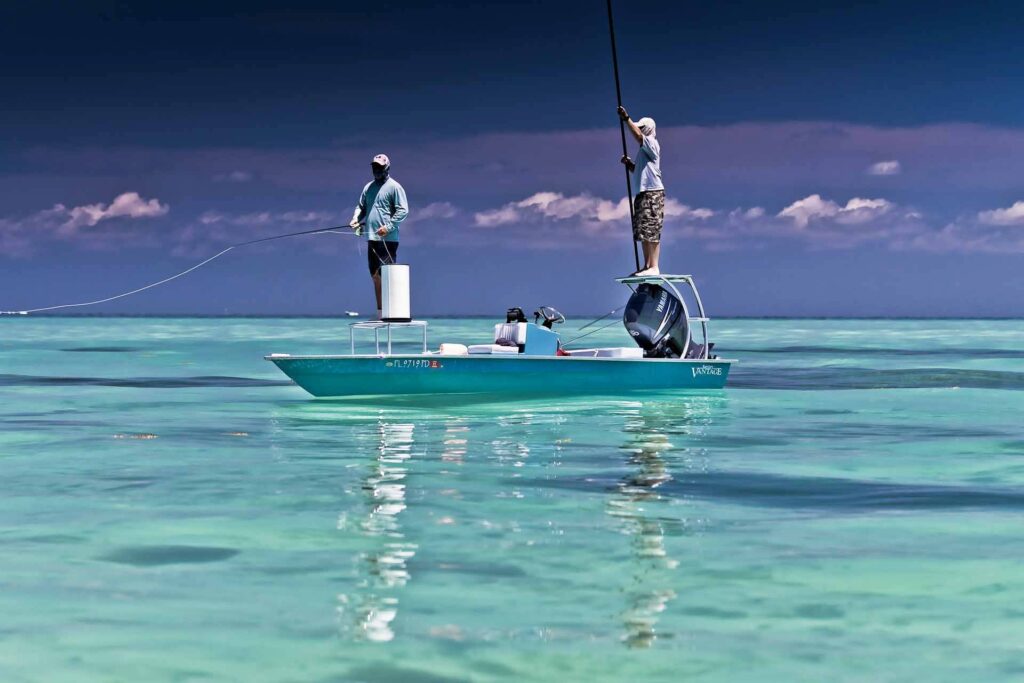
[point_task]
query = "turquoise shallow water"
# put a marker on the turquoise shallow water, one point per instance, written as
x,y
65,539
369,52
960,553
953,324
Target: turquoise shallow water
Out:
x,y
849,509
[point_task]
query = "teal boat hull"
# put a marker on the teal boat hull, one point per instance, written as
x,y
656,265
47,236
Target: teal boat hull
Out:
x,y
417,374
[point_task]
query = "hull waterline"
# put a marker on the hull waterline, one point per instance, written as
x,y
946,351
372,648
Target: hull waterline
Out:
x,y
416,374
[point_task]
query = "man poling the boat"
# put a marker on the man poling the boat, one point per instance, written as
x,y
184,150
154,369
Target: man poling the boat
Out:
x,y
381,209
649,203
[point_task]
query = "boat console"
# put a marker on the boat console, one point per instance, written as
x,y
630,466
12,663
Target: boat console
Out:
x,y
529,339
551,316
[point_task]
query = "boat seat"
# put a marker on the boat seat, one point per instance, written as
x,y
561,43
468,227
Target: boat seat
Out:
x,y
531,339
510,333
492,349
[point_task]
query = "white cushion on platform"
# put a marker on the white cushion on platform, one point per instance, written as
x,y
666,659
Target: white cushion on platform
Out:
x,y
621,352
610,352
448,349
493,349
586,353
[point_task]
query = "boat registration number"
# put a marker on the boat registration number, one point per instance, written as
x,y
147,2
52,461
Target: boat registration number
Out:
x,y
414,364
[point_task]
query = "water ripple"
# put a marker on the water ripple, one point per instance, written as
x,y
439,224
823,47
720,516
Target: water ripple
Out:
x,y
159,555
839,378
818,493
956,352
142,382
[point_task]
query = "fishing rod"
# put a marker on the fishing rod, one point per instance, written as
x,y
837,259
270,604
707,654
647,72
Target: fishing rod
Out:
x,y
597,320
338,229
587,334
622,131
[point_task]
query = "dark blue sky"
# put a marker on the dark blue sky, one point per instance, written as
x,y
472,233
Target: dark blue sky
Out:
x,y
237,122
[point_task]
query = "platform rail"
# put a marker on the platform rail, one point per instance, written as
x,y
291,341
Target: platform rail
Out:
x,y
670,281
377,326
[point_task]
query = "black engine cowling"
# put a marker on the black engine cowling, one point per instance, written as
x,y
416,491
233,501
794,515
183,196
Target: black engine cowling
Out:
x,y
656,320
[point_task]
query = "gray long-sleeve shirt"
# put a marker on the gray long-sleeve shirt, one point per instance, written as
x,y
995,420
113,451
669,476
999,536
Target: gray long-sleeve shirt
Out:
x,y
382,206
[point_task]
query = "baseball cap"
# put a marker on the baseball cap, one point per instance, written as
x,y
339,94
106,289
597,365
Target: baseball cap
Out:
x,y
382,160
647,125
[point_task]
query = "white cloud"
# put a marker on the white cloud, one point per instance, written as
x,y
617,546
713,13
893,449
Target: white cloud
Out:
x,y
814,208
885,168
557,206
740,215
128,204
19,236
803,211
494,217
583,209
676,209
859,210
554,206
261,218
1013,215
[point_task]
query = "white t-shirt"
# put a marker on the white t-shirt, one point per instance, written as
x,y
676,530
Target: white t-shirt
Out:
x,y
647,175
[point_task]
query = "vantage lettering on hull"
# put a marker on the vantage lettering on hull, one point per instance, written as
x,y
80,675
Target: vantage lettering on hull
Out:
x,y
706,370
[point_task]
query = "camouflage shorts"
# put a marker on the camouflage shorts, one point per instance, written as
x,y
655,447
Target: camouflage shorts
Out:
x,y
648,215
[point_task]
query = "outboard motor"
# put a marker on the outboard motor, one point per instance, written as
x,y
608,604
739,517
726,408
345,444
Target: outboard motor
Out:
x,y
656,320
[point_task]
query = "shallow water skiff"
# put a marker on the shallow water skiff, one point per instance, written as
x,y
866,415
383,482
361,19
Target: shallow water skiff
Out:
x,y
528,359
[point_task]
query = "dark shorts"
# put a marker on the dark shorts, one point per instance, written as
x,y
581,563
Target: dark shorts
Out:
x,y
380,253
648,216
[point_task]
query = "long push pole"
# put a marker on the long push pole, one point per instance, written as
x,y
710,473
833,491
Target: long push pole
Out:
x,y
622,130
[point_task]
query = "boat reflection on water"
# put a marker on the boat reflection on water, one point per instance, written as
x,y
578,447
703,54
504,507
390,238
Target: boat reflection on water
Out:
x,y
644,514
456,433
370,611
488,512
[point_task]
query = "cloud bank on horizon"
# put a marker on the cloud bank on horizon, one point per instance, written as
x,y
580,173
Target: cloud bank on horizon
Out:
x,y
798,184
549,220
21,237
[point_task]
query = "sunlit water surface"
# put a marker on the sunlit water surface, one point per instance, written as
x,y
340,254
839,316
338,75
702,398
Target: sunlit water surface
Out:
x,y
849,509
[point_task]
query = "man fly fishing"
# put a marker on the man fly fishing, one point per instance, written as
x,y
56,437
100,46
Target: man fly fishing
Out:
x,y
382,208
649,203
